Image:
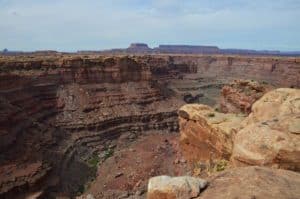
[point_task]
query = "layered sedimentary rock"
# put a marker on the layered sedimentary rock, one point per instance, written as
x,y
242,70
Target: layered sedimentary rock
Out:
x,y
57,113
206,134
238,96
269,136
57,110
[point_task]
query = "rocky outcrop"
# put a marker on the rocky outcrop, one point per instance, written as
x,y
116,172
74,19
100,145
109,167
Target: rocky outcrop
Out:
x,y
245,182
206,134
253,182
269,136
20,175
175,188
238,96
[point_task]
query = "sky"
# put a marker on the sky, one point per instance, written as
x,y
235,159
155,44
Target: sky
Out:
x,y
71,25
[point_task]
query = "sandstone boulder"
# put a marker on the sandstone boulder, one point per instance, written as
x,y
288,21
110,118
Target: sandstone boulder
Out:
x,y
206,134
165,187
271,134
274,104
253,183
238,96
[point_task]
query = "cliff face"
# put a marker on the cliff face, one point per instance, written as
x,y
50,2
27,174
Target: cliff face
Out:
x,y
56,111
238,96
279,71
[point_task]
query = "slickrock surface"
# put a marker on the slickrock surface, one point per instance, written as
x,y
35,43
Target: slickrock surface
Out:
x,y
61,111
253,182
238,96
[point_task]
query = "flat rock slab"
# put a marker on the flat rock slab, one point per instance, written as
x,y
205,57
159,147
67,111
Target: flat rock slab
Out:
x,y
253,183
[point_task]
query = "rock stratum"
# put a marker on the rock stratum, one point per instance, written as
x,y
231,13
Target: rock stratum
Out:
x,y
58,111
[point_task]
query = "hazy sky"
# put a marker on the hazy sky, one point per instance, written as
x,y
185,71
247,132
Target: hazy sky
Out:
x,y
70,25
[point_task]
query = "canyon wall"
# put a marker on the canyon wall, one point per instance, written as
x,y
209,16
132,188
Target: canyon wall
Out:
x,y
57,110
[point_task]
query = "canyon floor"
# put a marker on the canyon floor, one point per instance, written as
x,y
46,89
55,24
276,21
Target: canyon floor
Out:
x,y
126,173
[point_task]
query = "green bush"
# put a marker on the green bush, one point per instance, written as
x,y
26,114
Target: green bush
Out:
x,y
221,165
94,160
108,153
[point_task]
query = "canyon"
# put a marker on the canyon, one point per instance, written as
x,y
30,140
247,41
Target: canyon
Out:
x,y
75,124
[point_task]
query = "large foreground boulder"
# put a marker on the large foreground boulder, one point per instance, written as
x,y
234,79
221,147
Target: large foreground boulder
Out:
x,y
271,133
165,187
275,104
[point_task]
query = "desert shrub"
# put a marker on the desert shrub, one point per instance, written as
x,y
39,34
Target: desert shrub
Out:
x,y
108,153
94,160
220,165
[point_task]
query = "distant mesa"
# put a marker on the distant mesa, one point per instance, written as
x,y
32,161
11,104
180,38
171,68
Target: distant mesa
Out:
x,y
187,49
138,47
143,48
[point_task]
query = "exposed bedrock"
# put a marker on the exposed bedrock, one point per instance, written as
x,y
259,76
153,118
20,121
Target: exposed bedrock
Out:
x,y
269,136
56,111
239,95
206,134
246,182
283,72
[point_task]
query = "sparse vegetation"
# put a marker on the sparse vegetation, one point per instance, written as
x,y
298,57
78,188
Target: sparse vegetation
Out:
x,y
108,153
94,160
201,168
220,165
